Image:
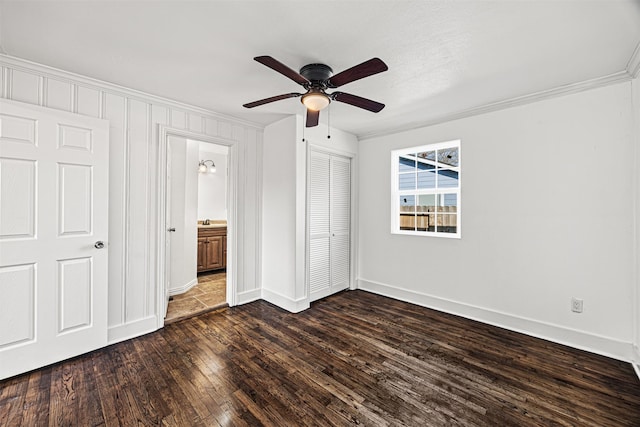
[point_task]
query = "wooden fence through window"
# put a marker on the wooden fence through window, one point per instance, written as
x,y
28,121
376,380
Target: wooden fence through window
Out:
x,y
425,218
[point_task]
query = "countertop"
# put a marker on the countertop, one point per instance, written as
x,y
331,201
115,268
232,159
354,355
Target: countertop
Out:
x,y
213,223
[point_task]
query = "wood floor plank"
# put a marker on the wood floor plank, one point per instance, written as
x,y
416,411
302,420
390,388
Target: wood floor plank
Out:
x,y
352,359
37,396
13,395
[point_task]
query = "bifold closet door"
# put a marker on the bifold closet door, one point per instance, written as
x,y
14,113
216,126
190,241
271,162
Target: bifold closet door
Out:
x,y
329,192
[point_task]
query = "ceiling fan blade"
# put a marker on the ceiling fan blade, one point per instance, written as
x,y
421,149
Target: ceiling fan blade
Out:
x,y
366,69
272,99
313,117
282,69
357,101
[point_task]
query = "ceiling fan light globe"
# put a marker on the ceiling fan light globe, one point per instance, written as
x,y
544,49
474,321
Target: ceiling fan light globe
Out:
x,y
315,101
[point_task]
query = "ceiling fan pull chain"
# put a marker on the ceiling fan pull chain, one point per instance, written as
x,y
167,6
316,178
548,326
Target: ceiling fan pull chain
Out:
x,y
304,124
329,122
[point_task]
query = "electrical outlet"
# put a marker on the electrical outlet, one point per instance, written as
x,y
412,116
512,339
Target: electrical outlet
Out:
x,y
576,305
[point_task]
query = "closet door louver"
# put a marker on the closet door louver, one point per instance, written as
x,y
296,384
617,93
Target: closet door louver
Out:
x,y
329,192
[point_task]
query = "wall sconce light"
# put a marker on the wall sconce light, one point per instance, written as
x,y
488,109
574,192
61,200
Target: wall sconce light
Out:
x,y
203,168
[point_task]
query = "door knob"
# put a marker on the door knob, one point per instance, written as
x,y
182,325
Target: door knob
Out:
x,y
99,244
172,229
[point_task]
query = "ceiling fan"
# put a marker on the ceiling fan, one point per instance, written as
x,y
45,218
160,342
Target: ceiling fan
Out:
x,y
316,79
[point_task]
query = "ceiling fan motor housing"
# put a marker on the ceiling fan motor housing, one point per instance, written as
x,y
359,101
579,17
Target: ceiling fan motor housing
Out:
x,y
316,73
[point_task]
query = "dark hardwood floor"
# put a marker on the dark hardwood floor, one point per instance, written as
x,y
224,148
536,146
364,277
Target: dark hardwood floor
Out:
x,y
353,358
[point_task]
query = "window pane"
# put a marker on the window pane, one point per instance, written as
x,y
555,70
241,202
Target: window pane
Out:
x,y
407,181
407,221
426,180
431,222
424,166
408,203
446,223
447,178
427,155
449,200
448,156
406,165
426,203
422,222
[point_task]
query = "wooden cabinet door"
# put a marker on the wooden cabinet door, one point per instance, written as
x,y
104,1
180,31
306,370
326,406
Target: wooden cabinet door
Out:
x,y
214,250
202,253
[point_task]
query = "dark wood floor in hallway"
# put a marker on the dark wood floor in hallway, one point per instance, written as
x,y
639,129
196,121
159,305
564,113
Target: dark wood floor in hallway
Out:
x,y
353,358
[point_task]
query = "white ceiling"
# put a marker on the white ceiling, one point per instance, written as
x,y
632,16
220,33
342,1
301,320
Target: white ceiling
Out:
x,y
444,57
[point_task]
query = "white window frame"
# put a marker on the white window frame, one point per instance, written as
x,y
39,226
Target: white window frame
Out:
x,y
396,193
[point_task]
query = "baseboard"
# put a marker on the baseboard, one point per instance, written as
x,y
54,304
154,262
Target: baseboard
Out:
x,y
284,302
184,288
636,360
636,368
248,296
558,334
133,329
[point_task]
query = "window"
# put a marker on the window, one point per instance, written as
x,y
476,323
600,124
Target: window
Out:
x,y
425,192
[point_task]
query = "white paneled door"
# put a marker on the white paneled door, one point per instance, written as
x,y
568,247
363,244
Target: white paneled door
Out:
x,y
53,236
329,205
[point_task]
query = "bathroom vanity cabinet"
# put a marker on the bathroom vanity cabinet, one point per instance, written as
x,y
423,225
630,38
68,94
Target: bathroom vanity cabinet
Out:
x,y
212,248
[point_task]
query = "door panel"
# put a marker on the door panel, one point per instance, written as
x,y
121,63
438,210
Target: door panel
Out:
x,y
319,264
340,222
17,286
75,193
319,192
53,209
18,189
202,253
21,130
214,252
75,282
340,262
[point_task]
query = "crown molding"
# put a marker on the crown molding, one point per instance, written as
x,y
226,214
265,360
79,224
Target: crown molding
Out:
x,y
619,77
633,66
73,78
631,71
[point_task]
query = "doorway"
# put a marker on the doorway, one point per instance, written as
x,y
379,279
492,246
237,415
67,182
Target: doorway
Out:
x,y
196,215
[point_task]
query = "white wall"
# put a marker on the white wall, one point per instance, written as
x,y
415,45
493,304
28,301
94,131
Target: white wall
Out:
x,y
548,214
279,213
134,119
284,206
212,187
183,202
